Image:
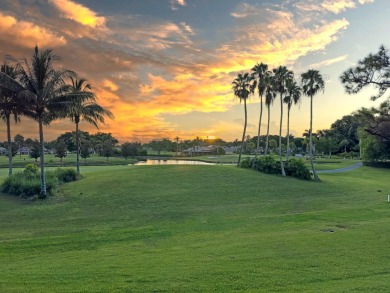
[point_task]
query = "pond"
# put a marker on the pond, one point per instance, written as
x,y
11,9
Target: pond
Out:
x,y
171,162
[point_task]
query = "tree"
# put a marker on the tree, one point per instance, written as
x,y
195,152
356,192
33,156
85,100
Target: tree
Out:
x,y
130,149
282,77
107,148
35,151
85,153
98,140
177,139
312,83
372,70
270,96
19,140
60,149
376,121
41,84
293,97
10,105
242,88
260,72
273,144
82,106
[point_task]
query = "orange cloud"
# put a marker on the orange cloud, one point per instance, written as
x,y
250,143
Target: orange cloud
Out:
x,y
79,13
110,85
27,34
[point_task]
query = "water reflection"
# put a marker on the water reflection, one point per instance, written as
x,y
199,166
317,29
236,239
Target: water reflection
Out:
x,y
171,162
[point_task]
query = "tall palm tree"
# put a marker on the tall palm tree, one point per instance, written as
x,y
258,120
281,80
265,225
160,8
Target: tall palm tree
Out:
x,y
259,72
312,83
293,97
270,96
80,105
242,88
177,139
282,75
41,84
10,105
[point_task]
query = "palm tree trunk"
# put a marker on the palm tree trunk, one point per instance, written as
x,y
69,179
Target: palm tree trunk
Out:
x,y
243,136
258,132
266,141
9,144
42,159
288,132
311,140
77,149
280,136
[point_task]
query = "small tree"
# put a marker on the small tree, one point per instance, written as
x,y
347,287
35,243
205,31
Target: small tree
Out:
x,y
19,140
85,150
35,151
61,150
130,149
107,149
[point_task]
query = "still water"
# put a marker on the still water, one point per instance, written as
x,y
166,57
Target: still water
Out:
x,y
171,162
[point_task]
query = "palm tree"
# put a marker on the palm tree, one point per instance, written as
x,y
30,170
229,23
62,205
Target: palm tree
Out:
x,y
312,83
10,105
41,84
282,75
293,97
81,106
260,72
270,96
177,139
242,88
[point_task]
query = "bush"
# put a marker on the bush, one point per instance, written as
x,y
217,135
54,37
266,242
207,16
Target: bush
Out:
x,y
377,164
246,163
294,167
27,184
268,165
297,168
31,169
65,175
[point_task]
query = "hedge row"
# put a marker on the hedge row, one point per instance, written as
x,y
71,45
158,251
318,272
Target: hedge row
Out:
x,y
293,167
27,184
378,164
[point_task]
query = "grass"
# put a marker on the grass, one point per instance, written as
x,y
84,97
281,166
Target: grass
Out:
x,y
200,229
69,160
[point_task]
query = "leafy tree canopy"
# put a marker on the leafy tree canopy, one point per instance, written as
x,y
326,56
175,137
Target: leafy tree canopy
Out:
x,y
372,70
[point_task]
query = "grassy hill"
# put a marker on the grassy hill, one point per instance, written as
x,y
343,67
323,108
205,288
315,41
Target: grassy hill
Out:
x,y
200,229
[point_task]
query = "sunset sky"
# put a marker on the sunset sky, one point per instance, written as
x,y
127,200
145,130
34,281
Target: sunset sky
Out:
x,y
165,67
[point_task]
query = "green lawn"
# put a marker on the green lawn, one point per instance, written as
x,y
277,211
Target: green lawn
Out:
x,y
69,160
200,229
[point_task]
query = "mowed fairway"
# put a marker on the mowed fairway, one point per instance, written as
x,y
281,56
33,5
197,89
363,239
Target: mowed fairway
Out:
x,y
200,229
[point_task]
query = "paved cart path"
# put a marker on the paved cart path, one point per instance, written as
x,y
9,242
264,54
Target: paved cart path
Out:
x,y
345,169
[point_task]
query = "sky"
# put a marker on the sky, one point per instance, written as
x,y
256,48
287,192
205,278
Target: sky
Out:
x,y
165,67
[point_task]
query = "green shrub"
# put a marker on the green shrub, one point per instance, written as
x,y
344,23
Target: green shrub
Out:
x,y
65,175
246,163
27,184
294,167
377,164
268,165
31,169
297,168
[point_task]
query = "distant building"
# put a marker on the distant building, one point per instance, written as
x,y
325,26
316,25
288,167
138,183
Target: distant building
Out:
x,y
24,151
208,150
199,151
